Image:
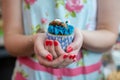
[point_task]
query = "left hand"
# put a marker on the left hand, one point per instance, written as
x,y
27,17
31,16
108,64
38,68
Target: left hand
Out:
x,y
73,49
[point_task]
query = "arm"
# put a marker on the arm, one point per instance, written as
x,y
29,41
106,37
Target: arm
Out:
x,y
108,21
15,41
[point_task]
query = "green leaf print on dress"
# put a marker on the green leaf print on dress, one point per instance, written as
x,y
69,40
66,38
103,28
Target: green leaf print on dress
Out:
x,y
84,1
21,75
81,62
59,3
38,28
84,52
24,73
72,14
34,56
28,3
35,29
27,6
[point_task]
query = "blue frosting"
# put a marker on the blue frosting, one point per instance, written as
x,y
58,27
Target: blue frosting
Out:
x,y
59,30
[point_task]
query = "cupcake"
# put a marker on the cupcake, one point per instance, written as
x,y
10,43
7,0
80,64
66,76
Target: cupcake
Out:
x,y
63,32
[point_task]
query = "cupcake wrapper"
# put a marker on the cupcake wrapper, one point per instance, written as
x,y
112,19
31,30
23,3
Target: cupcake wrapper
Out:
x,y
64,40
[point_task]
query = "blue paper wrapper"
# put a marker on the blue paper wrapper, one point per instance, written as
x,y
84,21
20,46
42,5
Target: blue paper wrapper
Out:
x,y
64,40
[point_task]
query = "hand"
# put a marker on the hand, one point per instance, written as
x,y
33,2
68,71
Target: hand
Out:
x,y
45,58
52,64
39,47
74,48
53,46
50,45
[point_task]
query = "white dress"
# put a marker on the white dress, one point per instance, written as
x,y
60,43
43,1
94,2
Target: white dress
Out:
x,y
36,16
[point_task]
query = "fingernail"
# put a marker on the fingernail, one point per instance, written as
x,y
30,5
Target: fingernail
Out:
x,y
49,57
74,56
69,49
46,42
50,43
70,57
55,43
65,56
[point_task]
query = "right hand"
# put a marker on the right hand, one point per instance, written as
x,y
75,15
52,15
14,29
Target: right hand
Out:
x,y
39,46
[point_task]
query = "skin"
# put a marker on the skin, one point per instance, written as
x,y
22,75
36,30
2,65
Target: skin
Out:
x,y
99,40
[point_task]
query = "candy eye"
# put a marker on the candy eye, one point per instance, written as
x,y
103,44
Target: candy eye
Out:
x,y
67,22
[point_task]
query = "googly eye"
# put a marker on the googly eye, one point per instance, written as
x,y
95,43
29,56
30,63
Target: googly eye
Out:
x,y
68,22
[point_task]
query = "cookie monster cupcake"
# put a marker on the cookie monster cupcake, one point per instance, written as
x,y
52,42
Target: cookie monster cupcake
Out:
x,y
63,32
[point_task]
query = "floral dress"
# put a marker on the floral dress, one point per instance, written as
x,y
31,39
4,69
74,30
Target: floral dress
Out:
x,y
36,16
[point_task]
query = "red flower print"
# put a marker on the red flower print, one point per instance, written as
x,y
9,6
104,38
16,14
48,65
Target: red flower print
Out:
x,y
73,5
19,76
30,1
43,20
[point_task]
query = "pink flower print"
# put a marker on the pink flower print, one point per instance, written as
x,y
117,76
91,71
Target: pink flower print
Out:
x,y
30,1
43,20
19,76
73,5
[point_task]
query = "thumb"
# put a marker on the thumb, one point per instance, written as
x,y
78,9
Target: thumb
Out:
x,y
44,53
77,42
40,50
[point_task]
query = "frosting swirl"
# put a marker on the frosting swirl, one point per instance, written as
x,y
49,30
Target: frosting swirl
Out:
x,y
60,28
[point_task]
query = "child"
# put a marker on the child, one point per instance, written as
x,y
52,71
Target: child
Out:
x,y
96,28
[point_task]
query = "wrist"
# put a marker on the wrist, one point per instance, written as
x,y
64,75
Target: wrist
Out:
x,y
34,37
83,45
79,36
31,44
82,37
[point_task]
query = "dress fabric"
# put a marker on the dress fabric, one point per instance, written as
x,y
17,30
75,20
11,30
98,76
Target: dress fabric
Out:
x,y
36,16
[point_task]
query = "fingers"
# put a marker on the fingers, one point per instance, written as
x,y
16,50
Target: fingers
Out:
x,y
57,62
54,48
54,64
44,62
41,51
71,57
73,46
60,62
65,63
58,48
77,42
49,45
44,53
